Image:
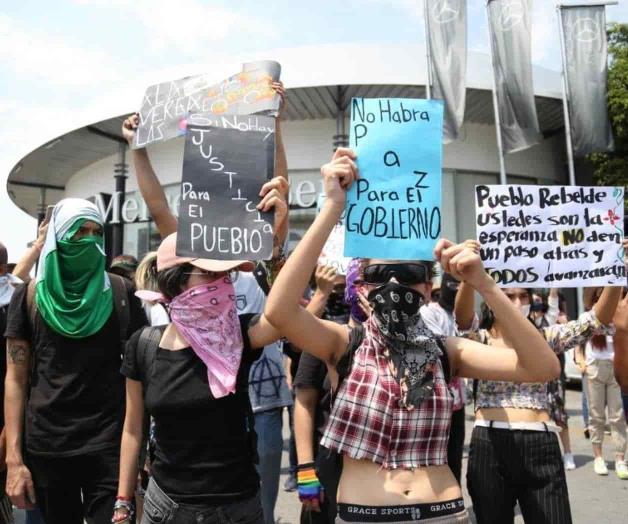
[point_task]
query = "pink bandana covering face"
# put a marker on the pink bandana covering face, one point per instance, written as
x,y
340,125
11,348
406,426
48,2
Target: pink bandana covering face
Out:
x,y
207,319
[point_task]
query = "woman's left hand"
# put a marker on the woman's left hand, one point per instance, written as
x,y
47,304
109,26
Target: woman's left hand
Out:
x,y
274,196
463,262
281,91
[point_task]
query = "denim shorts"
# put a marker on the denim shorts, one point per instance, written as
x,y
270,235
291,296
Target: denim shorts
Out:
x,y
159,508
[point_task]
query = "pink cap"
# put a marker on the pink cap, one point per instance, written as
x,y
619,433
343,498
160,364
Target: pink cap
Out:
x,y
167,257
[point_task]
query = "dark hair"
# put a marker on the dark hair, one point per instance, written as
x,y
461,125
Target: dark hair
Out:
x,y
172,281
487,317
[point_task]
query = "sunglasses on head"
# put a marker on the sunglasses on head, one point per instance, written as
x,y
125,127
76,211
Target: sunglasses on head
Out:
x,y
406,274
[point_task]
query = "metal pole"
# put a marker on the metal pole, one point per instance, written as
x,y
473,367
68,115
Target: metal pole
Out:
x,y
117,232
596,3
567,118
498,124
340,138
428,51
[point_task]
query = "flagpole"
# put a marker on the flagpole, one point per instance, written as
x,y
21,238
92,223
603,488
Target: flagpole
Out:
x,y
428,50
503,180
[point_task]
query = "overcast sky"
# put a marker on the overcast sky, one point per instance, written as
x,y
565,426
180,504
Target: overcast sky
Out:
x,y
59,59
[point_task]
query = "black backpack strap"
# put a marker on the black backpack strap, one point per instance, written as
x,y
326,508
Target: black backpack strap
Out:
x,y
121,303
343,366
30,302
147,346
444,359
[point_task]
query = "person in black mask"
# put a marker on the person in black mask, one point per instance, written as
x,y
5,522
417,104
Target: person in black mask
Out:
x,y
392,412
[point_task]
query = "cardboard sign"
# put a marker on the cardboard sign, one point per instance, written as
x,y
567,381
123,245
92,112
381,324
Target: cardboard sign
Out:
x,y
555,236
393,209
332,253
167,107
225,164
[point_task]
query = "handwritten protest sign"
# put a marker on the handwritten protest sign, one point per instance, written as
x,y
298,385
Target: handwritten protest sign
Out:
x,y
393,210
332,253
555,236
168,107
225,164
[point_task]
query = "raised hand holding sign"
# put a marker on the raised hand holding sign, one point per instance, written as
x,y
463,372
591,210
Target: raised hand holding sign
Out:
x,y
393,209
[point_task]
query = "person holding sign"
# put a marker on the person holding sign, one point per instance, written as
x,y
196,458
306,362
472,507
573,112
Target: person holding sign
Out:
x,y
515,455
392,412
191,376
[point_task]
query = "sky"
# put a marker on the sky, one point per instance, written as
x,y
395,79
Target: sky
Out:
x,y
59,60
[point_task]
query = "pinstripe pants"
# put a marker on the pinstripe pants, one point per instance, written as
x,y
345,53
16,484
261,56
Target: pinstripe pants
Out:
x,y
508,466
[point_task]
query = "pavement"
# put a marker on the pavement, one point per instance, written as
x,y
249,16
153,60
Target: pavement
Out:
x,y
594,499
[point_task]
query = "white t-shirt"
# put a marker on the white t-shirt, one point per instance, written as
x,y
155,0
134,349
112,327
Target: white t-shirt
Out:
x,y
606,353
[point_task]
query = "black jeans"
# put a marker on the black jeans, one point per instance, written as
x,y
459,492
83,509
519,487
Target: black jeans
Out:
x,y
507,466
159,508
70,490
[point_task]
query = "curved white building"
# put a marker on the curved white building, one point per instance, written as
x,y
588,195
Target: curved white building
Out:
x,y
320,83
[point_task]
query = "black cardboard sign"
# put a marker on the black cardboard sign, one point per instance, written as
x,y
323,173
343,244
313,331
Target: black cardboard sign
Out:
x,y
226,161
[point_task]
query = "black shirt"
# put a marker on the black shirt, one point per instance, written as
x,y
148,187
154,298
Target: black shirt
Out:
x,y
204,453
312,374
77,395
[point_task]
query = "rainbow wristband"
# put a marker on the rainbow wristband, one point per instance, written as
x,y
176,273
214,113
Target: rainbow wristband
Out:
x,y
308,485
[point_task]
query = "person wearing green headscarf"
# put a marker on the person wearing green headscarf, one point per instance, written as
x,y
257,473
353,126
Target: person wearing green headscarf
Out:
x,y
73,290
65,395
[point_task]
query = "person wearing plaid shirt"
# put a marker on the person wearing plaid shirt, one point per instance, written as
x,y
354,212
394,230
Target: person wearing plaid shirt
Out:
x,y
392,411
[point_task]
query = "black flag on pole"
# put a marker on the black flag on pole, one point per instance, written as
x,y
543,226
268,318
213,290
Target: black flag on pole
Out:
x,y
510,30
586,55
447,36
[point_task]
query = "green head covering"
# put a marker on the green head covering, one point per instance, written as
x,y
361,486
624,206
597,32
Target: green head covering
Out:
x,y
73,291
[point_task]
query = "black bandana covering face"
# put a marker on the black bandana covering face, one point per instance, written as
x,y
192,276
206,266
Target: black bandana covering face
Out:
x,y
412,348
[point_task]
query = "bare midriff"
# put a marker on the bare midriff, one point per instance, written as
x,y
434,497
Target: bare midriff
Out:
x,y
512,414
368,484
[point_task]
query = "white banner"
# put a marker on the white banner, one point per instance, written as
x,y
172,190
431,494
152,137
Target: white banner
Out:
x,y
332,253
551,236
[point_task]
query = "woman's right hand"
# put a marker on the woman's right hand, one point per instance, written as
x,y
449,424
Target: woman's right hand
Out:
x,y
339,174
463,262
129,126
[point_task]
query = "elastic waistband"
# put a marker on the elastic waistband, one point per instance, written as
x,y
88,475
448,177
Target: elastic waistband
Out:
x,y
518,426
358,513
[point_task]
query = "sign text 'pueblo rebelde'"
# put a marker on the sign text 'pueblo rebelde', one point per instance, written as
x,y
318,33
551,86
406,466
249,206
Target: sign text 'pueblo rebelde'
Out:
x,y
554,236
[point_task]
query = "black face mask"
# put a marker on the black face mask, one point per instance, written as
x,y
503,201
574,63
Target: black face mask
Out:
x,y
395,307
410,346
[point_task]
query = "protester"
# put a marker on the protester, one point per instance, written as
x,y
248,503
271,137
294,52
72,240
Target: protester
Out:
x,y
124,265
604,395
64,393
390,474
620,343
192,378
438,315
313,386
7,287
513,420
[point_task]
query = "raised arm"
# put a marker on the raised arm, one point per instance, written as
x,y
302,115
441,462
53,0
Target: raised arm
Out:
x,y
148,183
325,340
553,309
464,306
24,266
529,360
607,304
20,487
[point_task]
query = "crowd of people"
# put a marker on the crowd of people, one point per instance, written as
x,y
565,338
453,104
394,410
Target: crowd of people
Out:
x,y
155,391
